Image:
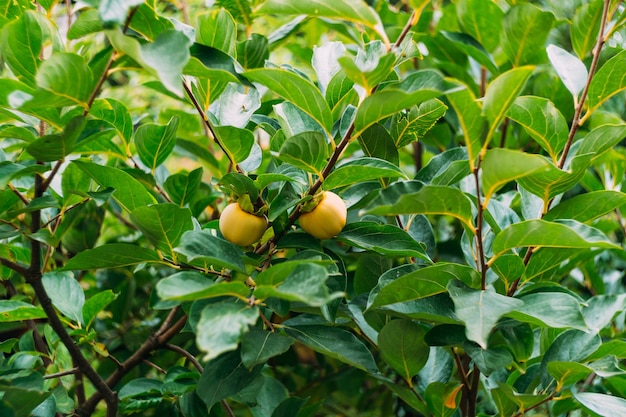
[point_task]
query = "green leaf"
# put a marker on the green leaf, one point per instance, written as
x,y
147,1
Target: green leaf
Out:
x,y
569,346
223,377
542,121
87,22
13,310
361,169
66,294
526,29
472,48
156,142
164,58
568,373
601,309
586,27
297,90
306,283
384,239
129,193
479,309
607,82
307,151
376,142
471,121
601,404
181,187
163,225
542,233
254,51
550,309
489,360
115,11
501,166
96,304
191,286
570,69
258,346
401,343
428,200
588,206
112,255
416,122
601,139
20,43
205,248
336,343
56,147
237,142
222,325
423,283
64,79
481,19
116,115
217,29
500,95
416,88
350,10
370,66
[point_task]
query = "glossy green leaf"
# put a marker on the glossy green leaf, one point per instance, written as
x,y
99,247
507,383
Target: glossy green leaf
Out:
x,y
569,346
115,114
237,142
473,48
66,294
129,193
14,310
501,166
428,200
164,58
306,283
479,309
361,169
586,27
413,125
570,69
601,309
203,247
601,404
526,28
156,142
96,304
87,22
541,233
550,309
353,11
384,239
163,225
258,346
401,343
64,79
254,51
181,187
20,43
376,142
295,89
471,121
489,360
334,342
370,66
307,151
500,95
568,373
587,206
191,286
601,139
222,325
415,89
607,82
56,147
424,282
112,255
223,377
116,11
481,19
217,29
542,121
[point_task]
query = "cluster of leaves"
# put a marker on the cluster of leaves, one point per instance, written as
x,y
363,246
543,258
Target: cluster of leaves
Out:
x,y
476,143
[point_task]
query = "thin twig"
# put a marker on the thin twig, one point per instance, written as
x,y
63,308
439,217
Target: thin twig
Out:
x,y
227,408
18,194
62,373
54,171
186,354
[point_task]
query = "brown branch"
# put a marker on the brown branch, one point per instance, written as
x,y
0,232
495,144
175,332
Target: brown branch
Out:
x,y
62,373
183,352
583,95
18,194
154,342
480,261
22,270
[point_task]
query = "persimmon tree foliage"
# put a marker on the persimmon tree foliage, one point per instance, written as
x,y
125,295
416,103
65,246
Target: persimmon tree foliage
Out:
x,y
477,146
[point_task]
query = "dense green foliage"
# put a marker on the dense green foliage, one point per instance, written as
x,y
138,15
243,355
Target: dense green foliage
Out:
x,y
477,145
